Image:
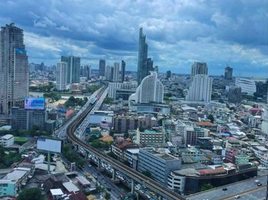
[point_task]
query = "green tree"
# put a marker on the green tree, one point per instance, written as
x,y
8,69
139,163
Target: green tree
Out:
x,y
107,196
31,193
96,144
206,186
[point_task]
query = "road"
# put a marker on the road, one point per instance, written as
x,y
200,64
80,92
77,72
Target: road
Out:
x,y
246,187
137,177
104,181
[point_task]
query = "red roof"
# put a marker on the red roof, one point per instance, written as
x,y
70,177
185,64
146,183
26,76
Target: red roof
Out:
x,y
69,112
211,171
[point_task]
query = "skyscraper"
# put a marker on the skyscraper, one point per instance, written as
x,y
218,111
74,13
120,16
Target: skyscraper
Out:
x,y
168,74
108,73
150,90
86,71
200,89
145,64
199,68
61,78
116,72
123,71
102,67
73,68
14,70
228,75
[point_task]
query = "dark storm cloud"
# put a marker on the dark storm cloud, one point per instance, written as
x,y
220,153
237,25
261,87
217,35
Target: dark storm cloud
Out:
x,y
178,31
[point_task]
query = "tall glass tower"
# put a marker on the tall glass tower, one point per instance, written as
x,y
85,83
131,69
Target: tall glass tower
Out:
x,y
14,70
145,64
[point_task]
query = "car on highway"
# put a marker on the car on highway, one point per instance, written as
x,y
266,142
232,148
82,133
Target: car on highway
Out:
x,y
224,189
259,184
237,196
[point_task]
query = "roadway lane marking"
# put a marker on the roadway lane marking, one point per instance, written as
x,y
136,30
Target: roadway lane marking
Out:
x,y
244,193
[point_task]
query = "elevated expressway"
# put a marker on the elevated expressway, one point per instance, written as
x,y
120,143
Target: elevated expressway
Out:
x,y
135,176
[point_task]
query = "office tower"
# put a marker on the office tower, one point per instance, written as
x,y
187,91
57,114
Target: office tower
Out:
x,y
199,68
108,73
150,65
145,64
156,69
61,78
116,72
102,67
228,75
200,89
234,95
73,68
86,72
168,74
123,71
150,90
14,69
248,86
27,119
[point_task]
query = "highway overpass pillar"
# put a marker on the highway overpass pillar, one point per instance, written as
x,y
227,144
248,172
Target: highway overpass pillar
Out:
x,y
99,163
132,186
137,196
114,174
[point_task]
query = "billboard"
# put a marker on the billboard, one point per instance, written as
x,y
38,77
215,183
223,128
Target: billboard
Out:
x,y
46,144
34,103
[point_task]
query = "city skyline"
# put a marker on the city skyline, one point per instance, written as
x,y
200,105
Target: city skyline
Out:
x,y
180,33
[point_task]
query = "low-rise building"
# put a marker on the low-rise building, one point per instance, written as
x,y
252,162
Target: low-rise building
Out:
x,y
12,182
7,140
192,134
150,137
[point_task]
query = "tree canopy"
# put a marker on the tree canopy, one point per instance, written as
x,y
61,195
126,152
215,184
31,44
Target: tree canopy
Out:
x,y
31,193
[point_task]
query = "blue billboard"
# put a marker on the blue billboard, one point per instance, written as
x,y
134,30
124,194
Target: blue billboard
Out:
x,y
34,103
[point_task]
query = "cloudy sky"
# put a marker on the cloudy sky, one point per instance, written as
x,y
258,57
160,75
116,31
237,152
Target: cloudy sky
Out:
x,y
179,32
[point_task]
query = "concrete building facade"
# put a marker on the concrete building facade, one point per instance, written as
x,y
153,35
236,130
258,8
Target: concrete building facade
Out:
x,y
14,70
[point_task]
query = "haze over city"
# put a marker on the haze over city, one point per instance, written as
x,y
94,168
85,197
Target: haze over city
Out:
x,y
178,32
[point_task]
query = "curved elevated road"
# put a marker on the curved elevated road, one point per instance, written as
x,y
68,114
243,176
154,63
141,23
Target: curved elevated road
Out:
x,y
136,176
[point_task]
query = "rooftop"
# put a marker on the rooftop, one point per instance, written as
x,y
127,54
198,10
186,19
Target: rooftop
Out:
x,y
7,137
82,180
15,175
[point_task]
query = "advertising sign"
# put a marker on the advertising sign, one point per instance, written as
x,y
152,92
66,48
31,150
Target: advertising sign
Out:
x,y
34,103
46,144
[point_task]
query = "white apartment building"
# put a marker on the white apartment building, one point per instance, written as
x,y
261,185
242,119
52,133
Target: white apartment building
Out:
x,y
61,78
7,140
200,89
247,85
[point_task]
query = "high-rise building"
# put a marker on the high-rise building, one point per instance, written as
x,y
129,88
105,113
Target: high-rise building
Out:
x,y
145,64
156,69
86,71
14,69
150,90
73,68
27,119
234,95
123,70
116,72
61,78
108,73
102,67
199,68
168,74
200,89
228,75
247,85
